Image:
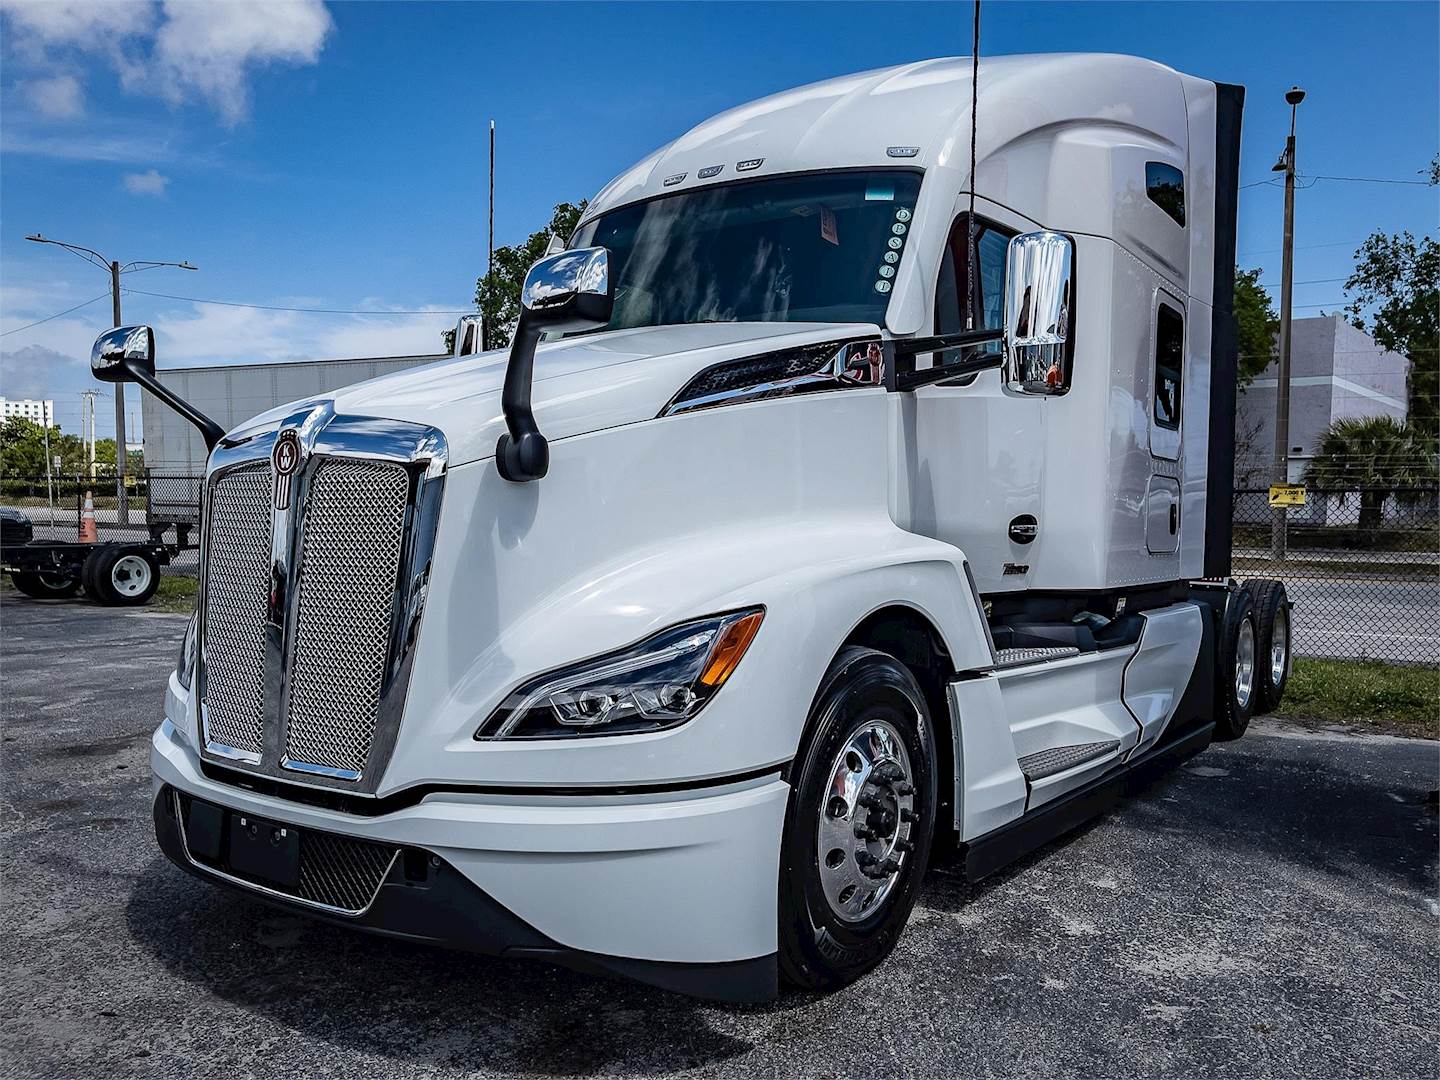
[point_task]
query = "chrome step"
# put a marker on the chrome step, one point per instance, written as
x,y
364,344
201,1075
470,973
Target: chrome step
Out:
x,y
1016,657
1057,759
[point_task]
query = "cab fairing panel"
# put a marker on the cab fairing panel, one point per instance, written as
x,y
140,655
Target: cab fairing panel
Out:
x,y
1164,660
767,503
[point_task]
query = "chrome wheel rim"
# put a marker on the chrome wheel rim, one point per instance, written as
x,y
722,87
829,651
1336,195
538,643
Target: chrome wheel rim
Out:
x,y
130,575
1280,648
866,820
1245,663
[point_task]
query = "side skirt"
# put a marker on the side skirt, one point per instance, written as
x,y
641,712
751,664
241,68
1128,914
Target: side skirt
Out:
x,y
1189,732
993,851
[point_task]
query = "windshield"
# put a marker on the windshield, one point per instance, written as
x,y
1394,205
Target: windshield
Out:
x,y
819,247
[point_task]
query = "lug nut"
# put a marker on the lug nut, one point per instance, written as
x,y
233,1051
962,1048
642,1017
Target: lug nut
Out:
x,y
909,816
904,789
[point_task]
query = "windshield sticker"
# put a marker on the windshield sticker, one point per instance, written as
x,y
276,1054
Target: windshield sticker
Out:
x,y
882,286
827,226
892,257
898,228
879,192
895,243
902,214
804,210
887,271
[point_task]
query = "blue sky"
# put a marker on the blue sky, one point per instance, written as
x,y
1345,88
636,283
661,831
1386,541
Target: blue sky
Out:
x,y
307,156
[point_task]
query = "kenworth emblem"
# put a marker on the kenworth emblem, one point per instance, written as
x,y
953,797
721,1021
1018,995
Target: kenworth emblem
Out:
x,y
285,460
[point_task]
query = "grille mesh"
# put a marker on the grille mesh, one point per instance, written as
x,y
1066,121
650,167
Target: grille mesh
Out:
x,y
354,523
340,871
237,576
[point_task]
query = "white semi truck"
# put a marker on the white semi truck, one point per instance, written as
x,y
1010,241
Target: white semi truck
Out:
x,y
837,503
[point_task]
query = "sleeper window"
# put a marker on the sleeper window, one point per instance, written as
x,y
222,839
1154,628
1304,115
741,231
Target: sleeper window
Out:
x,y
1169,366
1165,185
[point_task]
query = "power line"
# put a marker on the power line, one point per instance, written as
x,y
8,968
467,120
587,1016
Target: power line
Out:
x,y
57,315
1302,247
303,310
1313,178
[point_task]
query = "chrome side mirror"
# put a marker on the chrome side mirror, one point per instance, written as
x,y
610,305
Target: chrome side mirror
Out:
x,y
127,354
468,335
569,290
118,354
1037,312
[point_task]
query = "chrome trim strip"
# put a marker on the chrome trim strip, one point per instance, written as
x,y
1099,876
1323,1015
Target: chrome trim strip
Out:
x,y
423,452
242,883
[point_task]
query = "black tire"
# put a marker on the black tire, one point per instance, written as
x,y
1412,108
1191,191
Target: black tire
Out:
x,y
126,576
87,570
1234,698
1273,651
58,586
818,949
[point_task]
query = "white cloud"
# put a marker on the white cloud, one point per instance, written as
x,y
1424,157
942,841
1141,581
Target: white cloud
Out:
x,y
149,182
59,98
180,50
209,47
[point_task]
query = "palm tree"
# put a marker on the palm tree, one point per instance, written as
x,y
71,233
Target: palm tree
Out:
x,y
1378,456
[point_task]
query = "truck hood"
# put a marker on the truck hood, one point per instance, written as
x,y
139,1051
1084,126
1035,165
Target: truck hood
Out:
x,y
581,384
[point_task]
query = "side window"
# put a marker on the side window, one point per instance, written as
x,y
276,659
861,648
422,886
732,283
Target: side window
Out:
x,y
991,242
1165,186
1169,366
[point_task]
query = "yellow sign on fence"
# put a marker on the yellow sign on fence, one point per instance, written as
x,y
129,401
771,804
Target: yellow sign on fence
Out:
x,y
1287,494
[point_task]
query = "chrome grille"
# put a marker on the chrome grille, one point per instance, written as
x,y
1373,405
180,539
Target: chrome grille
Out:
x,y
237,576
353,532
342,872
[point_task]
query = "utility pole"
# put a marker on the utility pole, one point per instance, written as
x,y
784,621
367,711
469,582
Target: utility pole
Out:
x,y
87,428
122,494
47,409
1280,514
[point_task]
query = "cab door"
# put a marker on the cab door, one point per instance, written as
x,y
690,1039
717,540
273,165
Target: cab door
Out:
x,y
975,475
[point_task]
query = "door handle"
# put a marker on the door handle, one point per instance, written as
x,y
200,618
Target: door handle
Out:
x,y
1174,518
1024,529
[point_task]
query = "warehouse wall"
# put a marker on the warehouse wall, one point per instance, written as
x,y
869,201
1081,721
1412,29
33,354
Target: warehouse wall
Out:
x,y
233,393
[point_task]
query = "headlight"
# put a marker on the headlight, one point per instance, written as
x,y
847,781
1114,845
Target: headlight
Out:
x,y
185,666
659,683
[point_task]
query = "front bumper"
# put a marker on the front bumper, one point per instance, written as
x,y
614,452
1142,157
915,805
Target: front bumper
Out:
x,y
675,889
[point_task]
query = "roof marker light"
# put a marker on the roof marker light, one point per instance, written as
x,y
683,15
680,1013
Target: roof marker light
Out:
x,y
901,151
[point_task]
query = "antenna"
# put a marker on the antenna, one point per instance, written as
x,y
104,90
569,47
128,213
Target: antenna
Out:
x,y
486,340
970,252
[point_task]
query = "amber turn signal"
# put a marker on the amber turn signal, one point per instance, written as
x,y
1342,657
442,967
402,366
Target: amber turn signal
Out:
x,y
729,648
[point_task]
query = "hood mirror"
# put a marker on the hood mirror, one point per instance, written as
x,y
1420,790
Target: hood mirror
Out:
x,y
118,354
567,291
127,354
1038,300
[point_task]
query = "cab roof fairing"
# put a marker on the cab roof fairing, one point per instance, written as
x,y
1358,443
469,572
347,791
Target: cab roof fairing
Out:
x,y
1028,106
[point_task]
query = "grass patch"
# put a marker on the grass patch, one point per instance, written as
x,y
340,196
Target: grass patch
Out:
x,y
1364,694
176,593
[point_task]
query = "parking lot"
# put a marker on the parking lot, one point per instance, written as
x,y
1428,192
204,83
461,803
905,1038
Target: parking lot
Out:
x,y
1270,909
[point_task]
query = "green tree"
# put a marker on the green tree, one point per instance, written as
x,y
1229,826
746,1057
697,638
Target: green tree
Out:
x,y
22,447
1377,456
1396,300
497,294
1257,325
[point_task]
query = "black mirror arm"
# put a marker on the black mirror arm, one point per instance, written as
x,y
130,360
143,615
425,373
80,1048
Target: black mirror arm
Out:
x,y
210,431
522,454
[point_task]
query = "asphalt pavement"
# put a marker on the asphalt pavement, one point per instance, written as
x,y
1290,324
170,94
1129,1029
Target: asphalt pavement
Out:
x,y
1269,909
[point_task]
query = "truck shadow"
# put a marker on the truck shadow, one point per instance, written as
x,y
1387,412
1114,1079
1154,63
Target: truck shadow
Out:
x,y
428,1007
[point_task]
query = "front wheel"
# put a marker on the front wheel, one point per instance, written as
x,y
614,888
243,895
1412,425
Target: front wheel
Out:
x,y
860,822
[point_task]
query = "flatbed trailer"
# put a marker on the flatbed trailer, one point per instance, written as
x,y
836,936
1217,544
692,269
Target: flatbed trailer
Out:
x,y
116,573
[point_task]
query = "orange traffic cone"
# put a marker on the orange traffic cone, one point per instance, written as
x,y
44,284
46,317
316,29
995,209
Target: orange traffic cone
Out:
x,y
88,532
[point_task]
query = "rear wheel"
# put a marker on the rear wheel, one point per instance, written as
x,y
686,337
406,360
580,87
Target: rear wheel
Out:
x,y
126,577
43,586
1272,641
860,822
1236,674
88,568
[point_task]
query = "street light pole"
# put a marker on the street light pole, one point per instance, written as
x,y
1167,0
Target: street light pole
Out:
x,y
122,494
1280,514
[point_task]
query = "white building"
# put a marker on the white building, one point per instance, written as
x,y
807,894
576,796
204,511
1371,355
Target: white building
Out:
x,y
41,412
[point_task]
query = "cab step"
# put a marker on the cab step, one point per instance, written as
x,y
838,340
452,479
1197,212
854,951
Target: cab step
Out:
x,y
1057,759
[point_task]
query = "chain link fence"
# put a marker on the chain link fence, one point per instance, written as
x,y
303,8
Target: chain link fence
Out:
x,y
163,505
1362,568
